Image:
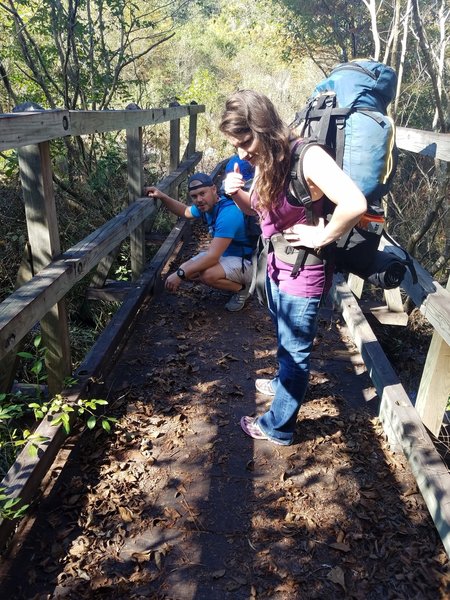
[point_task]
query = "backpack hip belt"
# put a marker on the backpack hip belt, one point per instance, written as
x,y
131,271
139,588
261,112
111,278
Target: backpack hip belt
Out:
x,y
372,223
297,257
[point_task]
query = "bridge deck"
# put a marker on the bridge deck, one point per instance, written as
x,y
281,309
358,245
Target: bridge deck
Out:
x,y
179,504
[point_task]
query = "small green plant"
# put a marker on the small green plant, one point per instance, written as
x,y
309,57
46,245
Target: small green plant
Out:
x,y
9,507
17,409
37,361
59,411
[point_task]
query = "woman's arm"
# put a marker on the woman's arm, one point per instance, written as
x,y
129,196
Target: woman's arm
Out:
x,y
325,178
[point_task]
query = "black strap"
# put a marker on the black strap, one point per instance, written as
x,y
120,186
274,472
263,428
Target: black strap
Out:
x,y
408,261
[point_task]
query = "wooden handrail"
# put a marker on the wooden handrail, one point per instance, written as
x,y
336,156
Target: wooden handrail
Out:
x,y
426,143
25,128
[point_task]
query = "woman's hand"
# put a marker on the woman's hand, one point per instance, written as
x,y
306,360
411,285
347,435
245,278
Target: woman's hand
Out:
x,y
308,236
234,181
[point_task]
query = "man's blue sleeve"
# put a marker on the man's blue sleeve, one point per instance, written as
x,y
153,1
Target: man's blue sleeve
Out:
x,y
195,212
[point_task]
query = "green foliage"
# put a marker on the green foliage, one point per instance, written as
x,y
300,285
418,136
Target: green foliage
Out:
x,y
9,164
107,166
36,362
11,508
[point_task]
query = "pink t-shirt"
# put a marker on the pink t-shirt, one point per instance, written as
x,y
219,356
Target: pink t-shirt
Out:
x,y
311,280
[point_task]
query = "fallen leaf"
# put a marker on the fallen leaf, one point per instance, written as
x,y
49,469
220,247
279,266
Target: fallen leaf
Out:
x,y
218,574
336,575
125,514
340,546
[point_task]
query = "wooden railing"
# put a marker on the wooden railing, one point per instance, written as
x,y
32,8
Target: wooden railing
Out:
x,y
41,297
41,290
406,426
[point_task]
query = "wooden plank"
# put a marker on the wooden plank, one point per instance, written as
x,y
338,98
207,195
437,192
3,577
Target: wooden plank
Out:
x,y
135,190
111,291
386,316
192,139
20,311
43,235
26,128
174,152
27,472
356,284
394,300
426,143
434,389
84,122
427,294
401,422
103,269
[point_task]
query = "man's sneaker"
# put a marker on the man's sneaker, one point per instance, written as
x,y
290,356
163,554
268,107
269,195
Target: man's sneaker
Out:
x,y
265,386
238,300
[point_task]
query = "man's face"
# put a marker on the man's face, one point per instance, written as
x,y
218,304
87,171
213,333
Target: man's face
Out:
x,y
204,198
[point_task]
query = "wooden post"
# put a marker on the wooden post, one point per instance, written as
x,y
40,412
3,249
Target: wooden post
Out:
x,y
43,236
434,389
174,158
135,187
10,363
192,140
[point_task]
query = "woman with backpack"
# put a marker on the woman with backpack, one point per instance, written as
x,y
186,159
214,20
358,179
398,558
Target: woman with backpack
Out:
x,y
253,126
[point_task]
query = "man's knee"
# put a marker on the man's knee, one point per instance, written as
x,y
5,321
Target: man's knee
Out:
x,y
208,277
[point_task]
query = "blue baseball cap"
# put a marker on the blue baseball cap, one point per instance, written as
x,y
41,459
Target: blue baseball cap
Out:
x,y
199,180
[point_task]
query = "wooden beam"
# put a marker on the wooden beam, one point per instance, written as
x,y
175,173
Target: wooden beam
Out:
x,y
174,152
135,190
426,143
84,122
434,389
26,474
26,128
401,422
43,235
428,295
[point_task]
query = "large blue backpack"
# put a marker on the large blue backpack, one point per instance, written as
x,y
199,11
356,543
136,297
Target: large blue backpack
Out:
x,y
347,114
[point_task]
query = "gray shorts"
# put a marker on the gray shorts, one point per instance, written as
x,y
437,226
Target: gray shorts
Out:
x,y
232,265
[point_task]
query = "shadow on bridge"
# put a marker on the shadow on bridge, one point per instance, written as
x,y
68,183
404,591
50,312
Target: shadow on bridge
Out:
x,y
178,504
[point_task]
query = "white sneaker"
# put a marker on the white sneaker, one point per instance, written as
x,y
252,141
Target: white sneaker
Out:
x,y
264,386
238,300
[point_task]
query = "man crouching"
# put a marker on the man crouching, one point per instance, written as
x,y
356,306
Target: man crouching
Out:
x,y
226,264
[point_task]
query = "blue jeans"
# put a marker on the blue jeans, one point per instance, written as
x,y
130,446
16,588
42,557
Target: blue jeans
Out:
x,y
295,319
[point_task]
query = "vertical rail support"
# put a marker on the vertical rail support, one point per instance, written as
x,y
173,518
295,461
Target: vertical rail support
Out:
x,y
43,235
174,158
192,139
434,388
135,187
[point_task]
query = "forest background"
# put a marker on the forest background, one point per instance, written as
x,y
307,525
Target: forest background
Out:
x,y
106,54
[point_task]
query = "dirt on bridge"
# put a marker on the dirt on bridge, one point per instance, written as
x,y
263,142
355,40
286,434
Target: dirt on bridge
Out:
x,y
178,504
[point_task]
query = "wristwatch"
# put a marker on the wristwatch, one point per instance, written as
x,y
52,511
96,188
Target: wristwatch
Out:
x,y
181,274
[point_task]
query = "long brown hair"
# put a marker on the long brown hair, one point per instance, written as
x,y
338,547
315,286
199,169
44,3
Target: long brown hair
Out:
x,y
249,112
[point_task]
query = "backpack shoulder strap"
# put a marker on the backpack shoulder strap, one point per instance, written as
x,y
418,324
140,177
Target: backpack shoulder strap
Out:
x,y
298,191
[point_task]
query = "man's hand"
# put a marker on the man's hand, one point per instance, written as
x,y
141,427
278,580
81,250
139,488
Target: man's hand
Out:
x,y
153,192
233,181
172,282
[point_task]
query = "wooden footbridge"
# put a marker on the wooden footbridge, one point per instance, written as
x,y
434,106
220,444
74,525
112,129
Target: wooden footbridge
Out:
x,y
49,272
